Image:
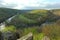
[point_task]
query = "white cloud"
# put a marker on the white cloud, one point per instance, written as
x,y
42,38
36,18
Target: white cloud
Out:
x,y
23,4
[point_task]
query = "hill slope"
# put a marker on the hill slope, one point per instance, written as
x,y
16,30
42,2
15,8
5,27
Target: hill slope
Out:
x,y
6,13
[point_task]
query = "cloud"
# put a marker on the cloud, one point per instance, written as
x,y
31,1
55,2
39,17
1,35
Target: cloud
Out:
x,y
6,4
21,4
29,4
54,6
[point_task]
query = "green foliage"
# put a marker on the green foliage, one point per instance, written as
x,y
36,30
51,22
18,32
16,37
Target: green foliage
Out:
x,y
30,29
26,20
38,36
6,13
30,19
34,31
9,28
38,11
52,31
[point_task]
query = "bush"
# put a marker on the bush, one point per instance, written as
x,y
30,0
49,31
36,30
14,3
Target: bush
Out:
x,y
52,31
9,28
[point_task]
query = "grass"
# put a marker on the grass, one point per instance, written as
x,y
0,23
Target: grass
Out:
x,y
52,31
38,11
24,19
30,29
36,34
9,28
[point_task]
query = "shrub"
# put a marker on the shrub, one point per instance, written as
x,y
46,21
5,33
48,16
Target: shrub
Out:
x,y
52,31
9,28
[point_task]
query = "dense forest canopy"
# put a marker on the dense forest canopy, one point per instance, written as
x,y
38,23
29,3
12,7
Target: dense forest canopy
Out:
x,y
40,22
34,18
6,13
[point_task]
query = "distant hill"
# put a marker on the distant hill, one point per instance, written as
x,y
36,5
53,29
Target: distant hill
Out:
x,y
34,18
29,17
6,13
56,12
39,22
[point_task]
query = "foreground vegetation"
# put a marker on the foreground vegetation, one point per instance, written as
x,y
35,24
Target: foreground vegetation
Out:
x,y
39,22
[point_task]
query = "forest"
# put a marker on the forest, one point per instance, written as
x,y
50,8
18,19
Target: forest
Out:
x,y
40,23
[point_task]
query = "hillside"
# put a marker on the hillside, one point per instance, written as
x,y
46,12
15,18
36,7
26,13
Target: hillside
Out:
x,y
30,19
56,12
41,23
6,13
34,18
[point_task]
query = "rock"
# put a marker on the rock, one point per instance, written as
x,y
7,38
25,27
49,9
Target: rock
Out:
x,y
9,36
27,37
30,38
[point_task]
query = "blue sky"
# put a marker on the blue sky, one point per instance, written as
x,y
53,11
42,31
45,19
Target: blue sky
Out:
x,y
30,4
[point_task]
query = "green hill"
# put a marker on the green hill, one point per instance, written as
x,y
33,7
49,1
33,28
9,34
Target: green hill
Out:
x,y
39,22
34,18
30,19
6,13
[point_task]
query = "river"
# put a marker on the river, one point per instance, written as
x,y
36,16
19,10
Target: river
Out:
x,y
3,24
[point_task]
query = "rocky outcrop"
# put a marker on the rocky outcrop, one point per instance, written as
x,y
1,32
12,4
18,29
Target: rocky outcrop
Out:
x,y
27,37
9,36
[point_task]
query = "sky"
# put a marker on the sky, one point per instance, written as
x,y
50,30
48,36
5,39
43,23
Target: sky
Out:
x,y
30,4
